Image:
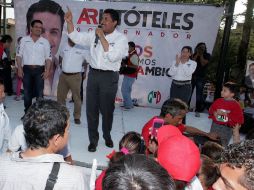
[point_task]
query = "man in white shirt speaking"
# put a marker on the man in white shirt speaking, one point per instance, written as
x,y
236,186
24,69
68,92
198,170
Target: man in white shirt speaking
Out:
x,y
107,48
72,59
35,54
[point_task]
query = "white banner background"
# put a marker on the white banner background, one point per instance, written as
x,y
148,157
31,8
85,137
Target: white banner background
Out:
x,y
156,45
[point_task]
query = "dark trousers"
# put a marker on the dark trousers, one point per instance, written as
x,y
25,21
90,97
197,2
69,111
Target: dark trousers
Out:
x,y
182,92
100,98
199,84
5,75
33,84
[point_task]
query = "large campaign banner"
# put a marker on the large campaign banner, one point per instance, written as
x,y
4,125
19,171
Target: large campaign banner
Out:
x,y
159,31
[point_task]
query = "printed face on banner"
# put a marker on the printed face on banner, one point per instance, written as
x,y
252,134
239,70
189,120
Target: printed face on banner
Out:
x,y
51,28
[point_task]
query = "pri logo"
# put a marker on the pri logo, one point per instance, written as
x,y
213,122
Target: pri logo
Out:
x,y
153,95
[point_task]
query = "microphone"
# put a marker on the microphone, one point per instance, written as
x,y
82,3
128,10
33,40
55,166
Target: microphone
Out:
x,y
96,37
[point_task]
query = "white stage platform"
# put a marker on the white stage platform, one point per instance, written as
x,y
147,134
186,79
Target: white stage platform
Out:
x,y
124,121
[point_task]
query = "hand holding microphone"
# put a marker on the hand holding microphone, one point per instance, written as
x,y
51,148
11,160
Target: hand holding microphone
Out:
x,y
98,33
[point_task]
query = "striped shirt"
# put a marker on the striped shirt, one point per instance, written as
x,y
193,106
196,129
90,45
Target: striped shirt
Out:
x,y
32,173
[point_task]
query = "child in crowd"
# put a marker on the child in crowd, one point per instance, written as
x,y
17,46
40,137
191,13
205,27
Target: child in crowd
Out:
x,y
226,113
5,130
19,80
181,158
130,143
207,174
212,149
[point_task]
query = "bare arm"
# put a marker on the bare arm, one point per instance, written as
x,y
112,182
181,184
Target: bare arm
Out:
x,y
236,133
68,18
195,131
20,70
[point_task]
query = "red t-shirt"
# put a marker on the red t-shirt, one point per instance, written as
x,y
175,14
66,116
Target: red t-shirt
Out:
x,y
145,131
232,108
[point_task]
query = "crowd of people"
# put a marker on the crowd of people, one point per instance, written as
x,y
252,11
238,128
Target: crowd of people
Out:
x,y
165,154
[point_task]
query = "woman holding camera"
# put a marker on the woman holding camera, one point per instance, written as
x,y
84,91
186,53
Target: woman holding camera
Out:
x,y
198,78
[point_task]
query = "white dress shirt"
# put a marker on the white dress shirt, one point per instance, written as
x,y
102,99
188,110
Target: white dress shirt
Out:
x,y
5,130
32,173
111,60
182,72
73,58
34,53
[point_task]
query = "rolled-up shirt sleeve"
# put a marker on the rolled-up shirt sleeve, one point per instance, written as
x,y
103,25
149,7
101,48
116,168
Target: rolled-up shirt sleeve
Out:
x,y
118,50
82,38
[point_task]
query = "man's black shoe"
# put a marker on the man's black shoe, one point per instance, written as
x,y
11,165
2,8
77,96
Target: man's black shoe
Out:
x,y
77,121
92,147
109,143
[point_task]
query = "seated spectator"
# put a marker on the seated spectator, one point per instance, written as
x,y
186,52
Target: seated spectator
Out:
x,y
137,172
207,174
46,126
212,150
181,158
130,143
17,142
5,130
236,167
173,112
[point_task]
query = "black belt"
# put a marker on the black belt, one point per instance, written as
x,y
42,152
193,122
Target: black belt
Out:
x,y
100,70
33,66
180,82
70,73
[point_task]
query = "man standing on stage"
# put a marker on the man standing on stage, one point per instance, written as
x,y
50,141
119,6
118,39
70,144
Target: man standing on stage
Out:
x,y
35,54
52,16
130,76
72,59
107,48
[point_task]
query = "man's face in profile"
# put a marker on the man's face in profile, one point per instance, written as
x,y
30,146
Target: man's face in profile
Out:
x,y
52,30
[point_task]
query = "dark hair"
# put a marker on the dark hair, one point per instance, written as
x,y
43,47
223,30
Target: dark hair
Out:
x,y
208,170
233,88
35,21
241,155
200,44
6,39
212,149
133,142
131,44
136,172
43,120
173,107
114,15
188,48
44,6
